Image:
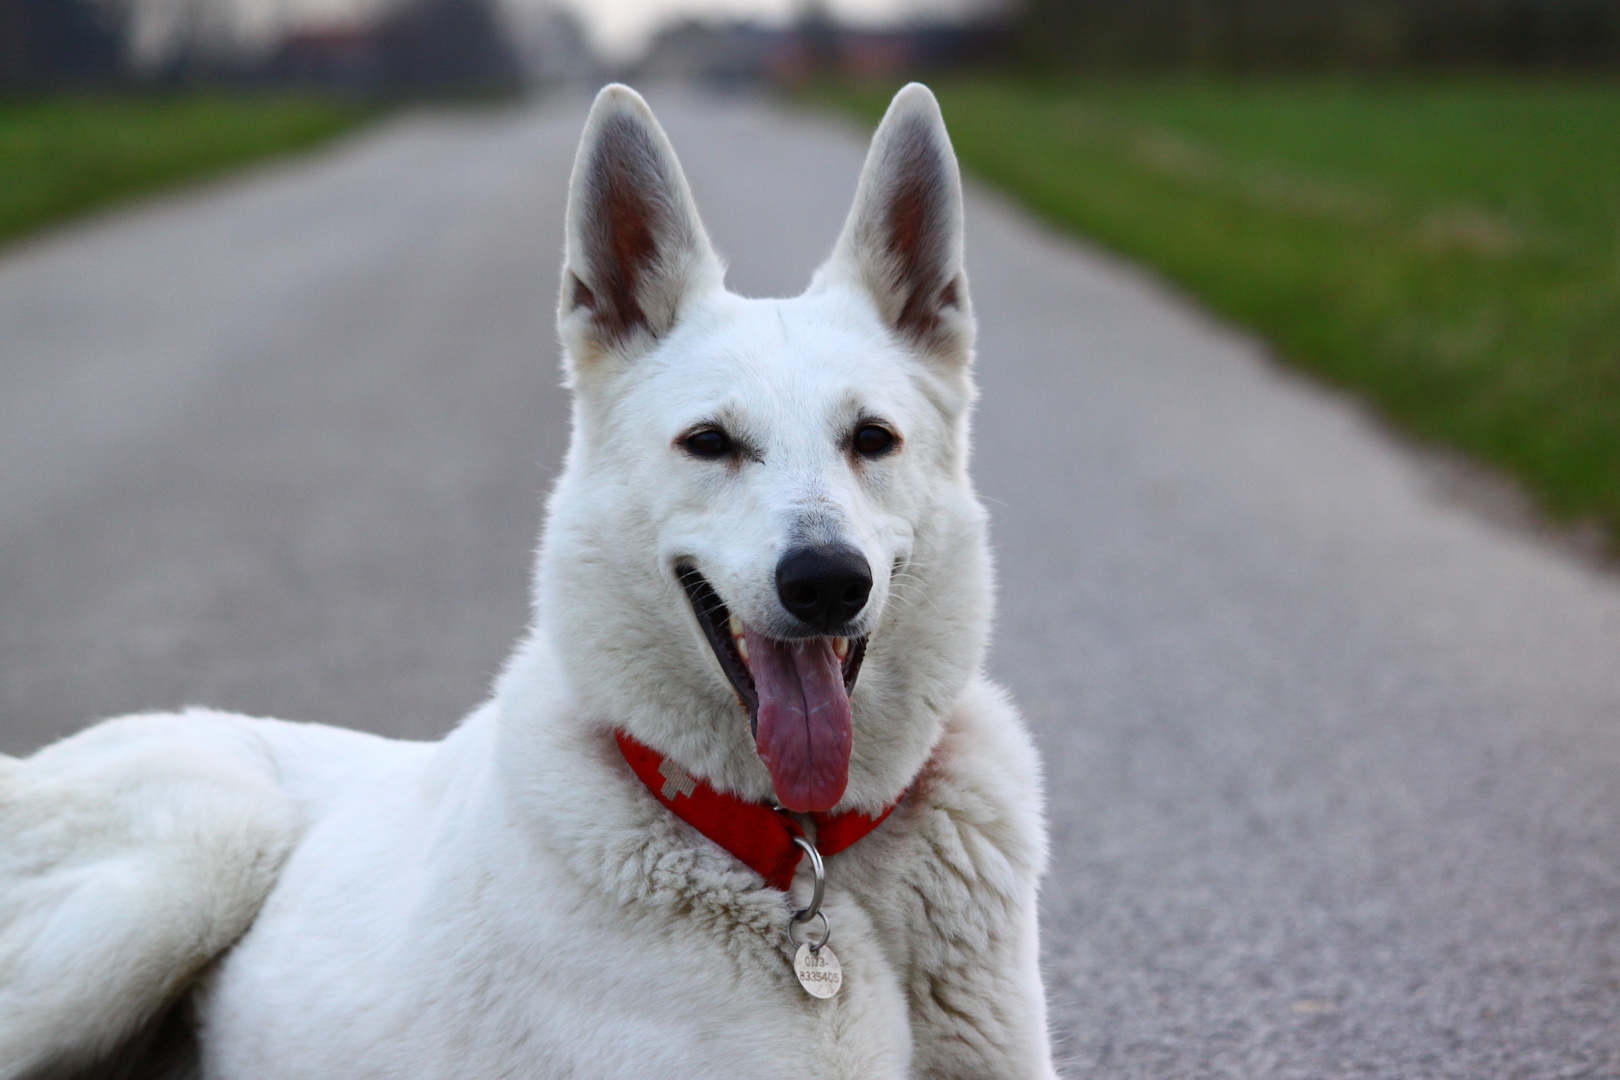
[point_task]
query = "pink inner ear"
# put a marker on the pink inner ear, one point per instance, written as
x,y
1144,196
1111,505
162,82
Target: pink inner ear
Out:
x,y
916,227
622,224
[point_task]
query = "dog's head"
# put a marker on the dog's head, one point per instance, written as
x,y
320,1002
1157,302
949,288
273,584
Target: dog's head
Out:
x,y
764,556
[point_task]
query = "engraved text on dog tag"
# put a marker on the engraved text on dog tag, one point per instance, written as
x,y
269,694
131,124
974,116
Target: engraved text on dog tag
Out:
x,y
819,972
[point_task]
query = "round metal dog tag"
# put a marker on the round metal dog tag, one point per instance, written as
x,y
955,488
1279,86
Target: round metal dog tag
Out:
x,y
819,972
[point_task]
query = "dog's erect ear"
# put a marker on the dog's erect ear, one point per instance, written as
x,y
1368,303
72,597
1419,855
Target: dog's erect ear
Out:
x,y
636,251
903,240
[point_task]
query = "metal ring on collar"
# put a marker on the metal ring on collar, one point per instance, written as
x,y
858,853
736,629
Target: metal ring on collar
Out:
x,y
808,913
826,931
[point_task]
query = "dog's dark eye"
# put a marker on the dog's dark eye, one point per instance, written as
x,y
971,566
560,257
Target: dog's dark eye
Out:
x,y
873,439
708,443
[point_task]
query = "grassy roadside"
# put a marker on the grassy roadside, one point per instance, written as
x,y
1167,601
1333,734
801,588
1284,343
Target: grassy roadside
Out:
x,y
62,156
1450,250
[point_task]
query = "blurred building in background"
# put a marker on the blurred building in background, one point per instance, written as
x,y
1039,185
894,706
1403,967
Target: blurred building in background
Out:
x,y
415,46
551,45
742,52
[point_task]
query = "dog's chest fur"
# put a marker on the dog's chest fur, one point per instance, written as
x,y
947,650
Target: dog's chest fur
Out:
x,y
550,918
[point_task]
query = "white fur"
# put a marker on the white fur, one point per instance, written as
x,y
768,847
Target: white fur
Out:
x,y
510,901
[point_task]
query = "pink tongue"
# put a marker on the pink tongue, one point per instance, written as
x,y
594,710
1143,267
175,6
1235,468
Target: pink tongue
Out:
x,y
804,729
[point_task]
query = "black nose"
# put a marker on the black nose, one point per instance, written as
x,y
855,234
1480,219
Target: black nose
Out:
x,y
824,587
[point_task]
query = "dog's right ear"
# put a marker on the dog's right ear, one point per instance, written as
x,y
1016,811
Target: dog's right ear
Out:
x,y
635,249
902,242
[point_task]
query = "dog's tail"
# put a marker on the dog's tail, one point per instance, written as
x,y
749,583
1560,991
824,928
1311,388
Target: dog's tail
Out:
x,y
131,855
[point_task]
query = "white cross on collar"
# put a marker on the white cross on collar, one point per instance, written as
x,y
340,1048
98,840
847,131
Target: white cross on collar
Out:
x,y
676,780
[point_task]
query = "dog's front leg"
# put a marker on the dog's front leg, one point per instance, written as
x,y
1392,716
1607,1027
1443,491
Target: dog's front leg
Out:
x,y
977,847
978,1008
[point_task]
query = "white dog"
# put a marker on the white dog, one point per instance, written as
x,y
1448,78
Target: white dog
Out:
x,y
742,804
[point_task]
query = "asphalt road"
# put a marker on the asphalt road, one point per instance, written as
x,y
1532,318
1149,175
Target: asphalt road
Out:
x,y
1333,760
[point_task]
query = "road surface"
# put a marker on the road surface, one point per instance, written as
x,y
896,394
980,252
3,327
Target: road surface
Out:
x,y
1333,761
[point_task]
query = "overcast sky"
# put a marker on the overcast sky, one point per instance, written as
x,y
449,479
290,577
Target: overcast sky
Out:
x,y
621,27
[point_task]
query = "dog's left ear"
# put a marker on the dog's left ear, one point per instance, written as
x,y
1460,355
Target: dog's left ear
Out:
x,y
636,252
902,243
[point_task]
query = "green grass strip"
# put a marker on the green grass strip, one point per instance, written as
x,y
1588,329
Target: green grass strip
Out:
x,y
1450,249
61,156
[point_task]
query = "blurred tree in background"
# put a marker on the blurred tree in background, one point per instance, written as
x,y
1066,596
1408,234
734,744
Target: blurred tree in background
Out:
x,y
52,42
1239,35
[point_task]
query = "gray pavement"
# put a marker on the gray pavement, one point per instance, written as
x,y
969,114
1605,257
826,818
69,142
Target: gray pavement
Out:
x,y
1333,761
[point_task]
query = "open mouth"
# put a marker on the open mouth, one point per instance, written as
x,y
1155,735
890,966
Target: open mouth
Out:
x,y
796,692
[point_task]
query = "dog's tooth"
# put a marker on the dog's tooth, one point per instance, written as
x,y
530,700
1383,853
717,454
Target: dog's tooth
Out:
x,y
736,627
742,646
841,647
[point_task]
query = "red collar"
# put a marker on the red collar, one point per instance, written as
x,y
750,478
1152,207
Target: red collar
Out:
x,y
755,833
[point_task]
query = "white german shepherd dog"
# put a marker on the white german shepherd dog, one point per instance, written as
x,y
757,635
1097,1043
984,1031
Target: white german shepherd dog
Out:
x,y
761,610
